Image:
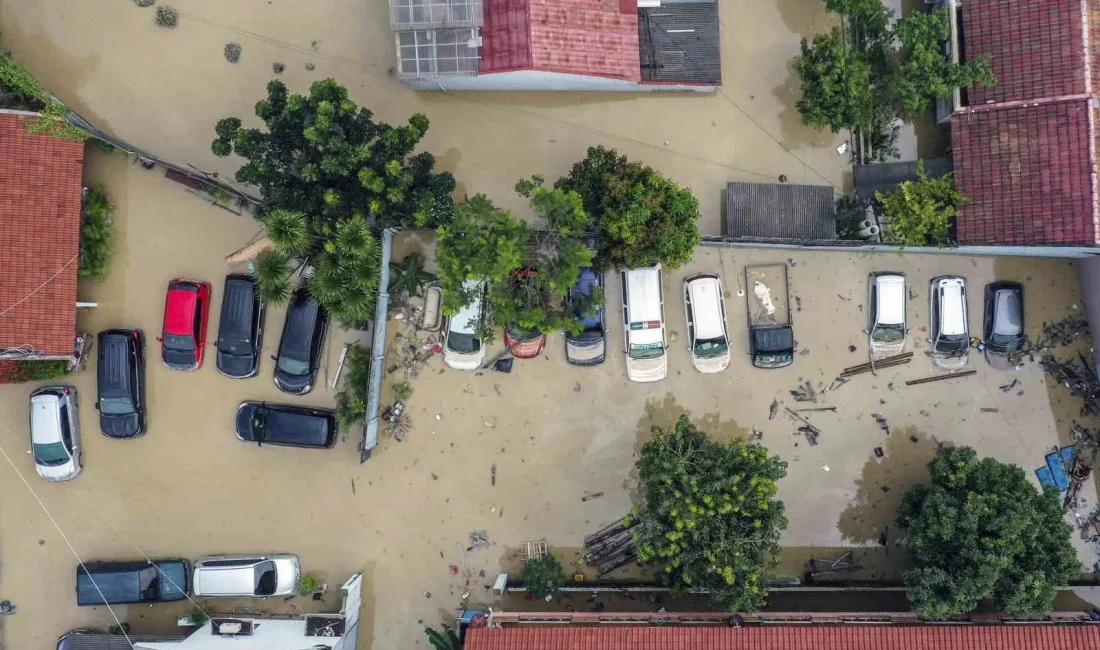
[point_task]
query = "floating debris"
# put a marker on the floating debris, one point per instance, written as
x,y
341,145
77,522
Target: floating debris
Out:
x,y
478,539
804,393
987,409
591,497
232,52
774,407
882,424
1008,387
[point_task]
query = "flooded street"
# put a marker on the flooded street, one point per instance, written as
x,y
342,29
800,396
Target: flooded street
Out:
x,y
518,456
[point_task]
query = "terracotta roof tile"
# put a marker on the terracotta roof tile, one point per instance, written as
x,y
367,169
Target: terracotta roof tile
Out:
x,y
40,185
787,637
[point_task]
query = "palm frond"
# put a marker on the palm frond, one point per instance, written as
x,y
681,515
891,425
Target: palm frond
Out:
x,y
288,230
272,271
328,284
355,239
409,275
447,640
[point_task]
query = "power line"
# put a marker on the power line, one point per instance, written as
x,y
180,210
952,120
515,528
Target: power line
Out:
x,y
39,287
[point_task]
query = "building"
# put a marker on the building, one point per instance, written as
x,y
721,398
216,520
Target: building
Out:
x,y
41,179
606,45
311,632
1025,149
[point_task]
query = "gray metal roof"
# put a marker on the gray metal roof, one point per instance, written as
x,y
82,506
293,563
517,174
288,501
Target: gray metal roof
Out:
x,y
678,42
780,211
885,177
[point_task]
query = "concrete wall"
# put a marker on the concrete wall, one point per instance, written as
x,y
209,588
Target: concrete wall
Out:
x,y
1089,273
1060,252
539,80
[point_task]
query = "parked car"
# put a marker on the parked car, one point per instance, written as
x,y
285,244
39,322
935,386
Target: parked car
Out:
x,y
240,328
120,383
950,333
524,344
708,336
246,575
887,329
95,640
55,433
301,344
589,346
283,424
644,323
462,349
183,337
122,583
1003,329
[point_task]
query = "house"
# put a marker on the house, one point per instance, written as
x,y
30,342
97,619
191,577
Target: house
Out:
x,y
41,179
1025,149
311,632
605,45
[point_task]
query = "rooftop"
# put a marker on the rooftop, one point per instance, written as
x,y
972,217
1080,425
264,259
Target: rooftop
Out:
x,y
780,211
679,43
40,205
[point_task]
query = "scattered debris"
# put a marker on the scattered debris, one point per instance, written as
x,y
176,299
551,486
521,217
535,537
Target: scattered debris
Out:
x,y
843,298
1008,387
914,439
877,364
145,3
852,349
986,409
825,467
816,408
427,594
310,67
844,564
166,17
496,387
837,383
771,410
232,52
610,548
882,424
950,375
811,434
278,68
798,303
592,497
493,474
804,393
478,539
576,387
756,435
879,453
803,352
353,486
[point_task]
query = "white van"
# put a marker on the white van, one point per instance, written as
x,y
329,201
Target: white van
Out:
x,y
886,330
949,327
246,575
705,307
462,349
644,324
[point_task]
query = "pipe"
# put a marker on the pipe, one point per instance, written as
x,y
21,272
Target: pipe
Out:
x,y
869,231
378,350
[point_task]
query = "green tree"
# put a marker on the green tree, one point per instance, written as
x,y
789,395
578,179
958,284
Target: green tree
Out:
x,y
272,271
408,275
345,275
288,231
96,230
708,513
323,156
922,212
923,71
445,640
543,577
837,87
981,533
351,401
640,217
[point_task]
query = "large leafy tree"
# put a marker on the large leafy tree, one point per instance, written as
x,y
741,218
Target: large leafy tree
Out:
x,y
921,212
639,216
981,533
322,155
708,513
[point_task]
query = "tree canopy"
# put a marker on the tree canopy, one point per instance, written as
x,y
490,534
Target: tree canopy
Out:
x,y
708,513
639,216
982,534
543,577
921,212
325,157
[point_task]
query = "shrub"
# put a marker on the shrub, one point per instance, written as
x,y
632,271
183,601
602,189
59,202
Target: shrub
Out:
x,y
543,577
402,391
921,212
198,616
308,585
145,3
96,230
351,401
232,52
166,17
43,370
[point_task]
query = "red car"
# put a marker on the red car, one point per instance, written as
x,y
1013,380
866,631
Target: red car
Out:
x,y
184,332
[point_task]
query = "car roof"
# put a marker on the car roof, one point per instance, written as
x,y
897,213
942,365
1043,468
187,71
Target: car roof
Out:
x,y
114,357
238,301
45,419
643,287
213,580
302,317
706,307
1008,312
890,303
179,307
465,321
952,307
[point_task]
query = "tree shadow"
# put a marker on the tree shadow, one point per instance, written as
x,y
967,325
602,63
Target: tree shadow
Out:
x,y
872,515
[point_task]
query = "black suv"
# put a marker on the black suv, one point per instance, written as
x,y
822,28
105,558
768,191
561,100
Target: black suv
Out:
x,y
120,383
282,424
300,345
241,328
120,583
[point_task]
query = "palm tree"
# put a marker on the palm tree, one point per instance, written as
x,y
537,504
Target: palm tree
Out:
x,y
446,640
271,269
288,230
355,239
327,285
409,275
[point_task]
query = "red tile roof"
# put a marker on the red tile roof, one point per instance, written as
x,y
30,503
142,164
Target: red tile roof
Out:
x,y
585,37
1023,149
40,185
787,637
1027,174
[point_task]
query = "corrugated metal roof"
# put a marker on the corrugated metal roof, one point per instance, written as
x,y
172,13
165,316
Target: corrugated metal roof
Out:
x,y
679,43
780,211
885,177
788,637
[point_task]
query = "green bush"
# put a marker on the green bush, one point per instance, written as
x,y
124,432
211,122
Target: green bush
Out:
x,y
543,577
308,585
96,230
351,401
145,3
922,212
166,17
43,370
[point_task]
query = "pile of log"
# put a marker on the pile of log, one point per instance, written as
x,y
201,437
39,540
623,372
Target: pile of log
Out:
x,y
879,364
610,548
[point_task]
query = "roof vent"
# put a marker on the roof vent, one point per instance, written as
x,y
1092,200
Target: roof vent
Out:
x,y
232,627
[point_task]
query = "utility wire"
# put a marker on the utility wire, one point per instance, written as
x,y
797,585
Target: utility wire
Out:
x,y
39,287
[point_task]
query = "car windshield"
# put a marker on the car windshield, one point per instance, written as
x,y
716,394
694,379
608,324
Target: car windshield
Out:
x,y
952,343
711,348
646,351
51,454
464,343
888,333
116,406
1006,340
296,367
774,360
179,342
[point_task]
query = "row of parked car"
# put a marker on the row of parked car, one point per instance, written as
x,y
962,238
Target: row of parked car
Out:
x,y
769,321
121,374
214,576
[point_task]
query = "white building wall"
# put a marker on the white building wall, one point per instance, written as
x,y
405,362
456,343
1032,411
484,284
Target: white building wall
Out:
x,y
541,80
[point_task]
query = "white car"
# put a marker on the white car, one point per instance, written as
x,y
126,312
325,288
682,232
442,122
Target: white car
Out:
x,y
950,332
55,433
708,337
246,576
462,349
887,329
644,324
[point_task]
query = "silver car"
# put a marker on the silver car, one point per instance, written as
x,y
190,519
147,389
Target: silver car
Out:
x,y
887,328
55,433
950,329
246,576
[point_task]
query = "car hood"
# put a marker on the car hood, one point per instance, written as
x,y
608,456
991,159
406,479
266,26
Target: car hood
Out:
x,y
954,362
586,353
999,361
711,365
646,370
464,361
62,472
236,366
294,384
120,426
882,350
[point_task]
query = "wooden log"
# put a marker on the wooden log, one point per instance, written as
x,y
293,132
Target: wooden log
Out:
x,y
248,253
928,380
